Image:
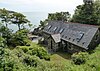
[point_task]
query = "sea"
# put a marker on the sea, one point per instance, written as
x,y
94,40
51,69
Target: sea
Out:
x,y
33,17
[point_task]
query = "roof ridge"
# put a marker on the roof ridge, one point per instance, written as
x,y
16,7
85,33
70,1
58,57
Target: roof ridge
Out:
x,y
96,26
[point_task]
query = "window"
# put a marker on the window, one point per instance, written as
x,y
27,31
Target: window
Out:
x,y
79,36
61,30
55,29
49,26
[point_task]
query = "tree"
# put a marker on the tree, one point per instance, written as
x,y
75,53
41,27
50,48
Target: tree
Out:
x,y
19,38
5,16
60,16
87,13
1,42
97,10
19,19
43,24
5,33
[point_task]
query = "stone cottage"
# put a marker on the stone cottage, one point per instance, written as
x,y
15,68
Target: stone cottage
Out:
x,y
70,37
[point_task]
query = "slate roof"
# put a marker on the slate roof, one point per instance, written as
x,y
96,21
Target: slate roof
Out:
x,y
56,37
75,33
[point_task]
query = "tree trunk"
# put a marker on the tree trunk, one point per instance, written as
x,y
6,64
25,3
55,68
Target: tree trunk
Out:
x,y
6,24
6,34
18,26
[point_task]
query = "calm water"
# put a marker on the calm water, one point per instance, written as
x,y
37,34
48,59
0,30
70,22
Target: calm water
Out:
x,y
33,17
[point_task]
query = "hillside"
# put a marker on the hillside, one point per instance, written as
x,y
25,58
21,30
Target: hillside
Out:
x,y
35,58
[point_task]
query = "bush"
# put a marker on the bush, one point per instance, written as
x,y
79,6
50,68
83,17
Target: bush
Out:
x,y
34,49
30,60
25,48
19,38
41,53
1,58
79,58
9,64
12,62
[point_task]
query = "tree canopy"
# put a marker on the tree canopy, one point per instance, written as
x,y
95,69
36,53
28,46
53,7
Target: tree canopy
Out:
x,y
11,17
19,19
87,13
60,16
5,16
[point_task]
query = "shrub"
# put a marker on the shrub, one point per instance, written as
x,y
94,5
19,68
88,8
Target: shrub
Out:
x,y
19,38
34,49
24,48
1,58
9,65
41,53
30,60
12,62
79,58
1,41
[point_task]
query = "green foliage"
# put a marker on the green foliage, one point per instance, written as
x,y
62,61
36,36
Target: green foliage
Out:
x,y
19,38
11,17
79,58
17,60
5,16
97,10
87,13
14,60
31,60
19,19
5,33
28,56
94,58
24,48
2,42
34,49
1,58
38,30
59,16
43,24
41,53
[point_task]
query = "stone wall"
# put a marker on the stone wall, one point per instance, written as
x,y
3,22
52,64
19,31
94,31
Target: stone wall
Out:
x,y
69,47
51,45
95,41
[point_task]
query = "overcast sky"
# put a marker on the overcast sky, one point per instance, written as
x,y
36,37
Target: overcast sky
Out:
x,y
40,5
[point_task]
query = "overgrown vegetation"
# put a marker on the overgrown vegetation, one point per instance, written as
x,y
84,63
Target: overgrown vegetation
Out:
x,y
18,53
18,59
87,13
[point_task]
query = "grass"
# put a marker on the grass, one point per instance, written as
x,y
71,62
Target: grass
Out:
x,y
60,57
59,61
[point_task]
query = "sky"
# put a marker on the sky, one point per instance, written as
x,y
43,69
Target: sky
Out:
x,y
40,5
